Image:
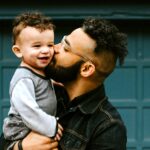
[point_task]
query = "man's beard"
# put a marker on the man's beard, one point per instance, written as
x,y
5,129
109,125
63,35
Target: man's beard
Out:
x,y
64,74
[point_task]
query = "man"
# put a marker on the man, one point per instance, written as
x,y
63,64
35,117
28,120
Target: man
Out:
x,y
82,62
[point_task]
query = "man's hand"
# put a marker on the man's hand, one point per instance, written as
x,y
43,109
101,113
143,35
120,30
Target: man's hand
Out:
x,y
35,141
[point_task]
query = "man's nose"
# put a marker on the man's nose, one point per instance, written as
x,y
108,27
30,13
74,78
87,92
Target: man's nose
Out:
x,y
57,48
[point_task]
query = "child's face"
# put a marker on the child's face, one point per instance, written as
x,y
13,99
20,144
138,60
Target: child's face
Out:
x,y
36,47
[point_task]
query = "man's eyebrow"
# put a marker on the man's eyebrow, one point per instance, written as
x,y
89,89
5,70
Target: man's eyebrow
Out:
x,y
66,41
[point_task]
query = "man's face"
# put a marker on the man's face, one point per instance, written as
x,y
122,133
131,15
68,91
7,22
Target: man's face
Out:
x,y
70,54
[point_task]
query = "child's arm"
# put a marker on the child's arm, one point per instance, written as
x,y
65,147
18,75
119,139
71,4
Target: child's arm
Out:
x,y
23,99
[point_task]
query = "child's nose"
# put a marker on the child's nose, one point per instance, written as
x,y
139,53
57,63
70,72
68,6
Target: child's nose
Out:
x,y
46,49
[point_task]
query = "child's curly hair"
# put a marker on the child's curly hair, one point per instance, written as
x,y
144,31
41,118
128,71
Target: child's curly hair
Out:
x,y
33,19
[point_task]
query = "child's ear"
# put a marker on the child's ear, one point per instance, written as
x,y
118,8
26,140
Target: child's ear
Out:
x,y
87,69
17,51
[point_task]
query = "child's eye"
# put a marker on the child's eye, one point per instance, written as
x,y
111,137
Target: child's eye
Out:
x,y
37,45
50,45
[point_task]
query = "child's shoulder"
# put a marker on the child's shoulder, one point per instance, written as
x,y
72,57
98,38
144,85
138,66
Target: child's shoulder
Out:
x,y
24,72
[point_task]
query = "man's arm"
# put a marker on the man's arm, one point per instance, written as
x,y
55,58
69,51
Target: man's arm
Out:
x,y
35,141
110,136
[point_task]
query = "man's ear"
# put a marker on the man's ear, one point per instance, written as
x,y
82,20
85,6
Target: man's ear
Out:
x,y
17,51
87,69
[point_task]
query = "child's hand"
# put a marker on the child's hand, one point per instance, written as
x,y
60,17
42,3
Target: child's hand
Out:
x,y
59,133
57,83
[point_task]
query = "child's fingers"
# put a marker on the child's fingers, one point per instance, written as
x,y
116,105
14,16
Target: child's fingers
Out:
x,y
60,127
59,132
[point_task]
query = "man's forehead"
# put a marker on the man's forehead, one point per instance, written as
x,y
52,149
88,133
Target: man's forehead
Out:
x,y
77,32
80,37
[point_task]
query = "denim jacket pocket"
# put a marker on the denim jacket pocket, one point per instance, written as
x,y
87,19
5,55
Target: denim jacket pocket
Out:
x,y
72,140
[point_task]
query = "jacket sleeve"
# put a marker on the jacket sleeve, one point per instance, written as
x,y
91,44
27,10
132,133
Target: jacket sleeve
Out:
x,y
110,136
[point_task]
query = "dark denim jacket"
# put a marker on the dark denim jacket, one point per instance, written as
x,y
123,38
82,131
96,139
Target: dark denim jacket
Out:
x,y
91,123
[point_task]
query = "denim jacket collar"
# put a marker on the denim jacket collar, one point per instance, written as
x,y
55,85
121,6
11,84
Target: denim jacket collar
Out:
x,y
90,101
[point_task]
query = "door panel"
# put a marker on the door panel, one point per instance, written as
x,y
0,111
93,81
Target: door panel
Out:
x,y
129,86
